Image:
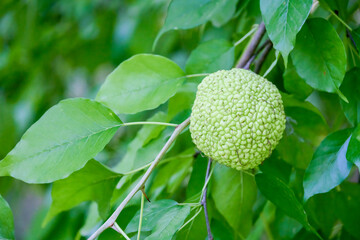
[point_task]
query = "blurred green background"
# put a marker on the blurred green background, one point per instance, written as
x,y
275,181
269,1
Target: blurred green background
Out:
x,y
52,50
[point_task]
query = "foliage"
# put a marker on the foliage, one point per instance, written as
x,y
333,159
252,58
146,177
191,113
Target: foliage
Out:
x,y
94,102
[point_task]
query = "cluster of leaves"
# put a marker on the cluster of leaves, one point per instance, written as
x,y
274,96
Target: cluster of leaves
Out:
x,y
308,187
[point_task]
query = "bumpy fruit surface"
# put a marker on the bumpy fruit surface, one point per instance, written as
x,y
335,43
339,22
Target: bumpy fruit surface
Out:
x,y
237,118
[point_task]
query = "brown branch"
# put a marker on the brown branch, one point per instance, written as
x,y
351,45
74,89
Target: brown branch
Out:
x,y
249,51
263,56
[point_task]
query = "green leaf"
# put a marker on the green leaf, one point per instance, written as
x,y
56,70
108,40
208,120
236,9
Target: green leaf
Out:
x,y
94,182
294,84
224,12
185,14
356,36
353,151
144,147
276,167
305,128
211,56
282,196
6,221
234,194
322,210
182,100
348,208
163,218
152,213
351,89
319,56
283,20
140,83
329,166
197,177
61,141
196,229
304,119
340,6
173,173
169,223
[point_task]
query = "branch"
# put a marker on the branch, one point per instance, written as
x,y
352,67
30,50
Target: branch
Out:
x,y
110,222
203,201
263,56
119,230
348,34
253,45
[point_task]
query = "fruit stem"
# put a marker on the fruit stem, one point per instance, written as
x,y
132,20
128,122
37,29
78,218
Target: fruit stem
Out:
x,y
203,201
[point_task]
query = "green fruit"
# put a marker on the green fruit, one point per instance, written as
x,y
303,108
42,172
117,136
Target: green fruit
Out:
x,y
237,118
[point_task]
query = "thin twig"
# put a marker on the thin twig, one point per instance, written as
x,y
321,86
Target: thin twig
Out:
x,y
203,201
117,228
141,216
163,151
191,219
348,34
150,123
262,57
253,45
246,36
247,65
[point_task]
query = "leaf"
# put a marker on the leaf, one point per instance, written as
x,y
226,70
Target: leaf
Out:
x,y
140,83
211,56
339,6
353,151
276,167
303,118
294,84
6,221
329,166
234,194
283,20
61,141
196,229
182,100
145,146
305,128
185,14
322,210
348,208
172,174
319,56
282,196
351,89
163,218
169,223
94,182
152,213
224,12
356,36
197,177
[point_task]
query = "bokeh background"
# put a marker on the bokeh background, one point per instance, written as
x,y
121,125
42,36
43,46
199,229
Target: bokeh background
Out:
x,y
52,50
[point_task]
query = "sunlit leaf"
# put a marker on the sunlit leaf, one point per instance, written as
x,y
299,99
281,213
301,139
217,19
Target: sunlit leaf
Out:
x,y
283,20
61,141
140,83
94,182
329,166
319,56
6,221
